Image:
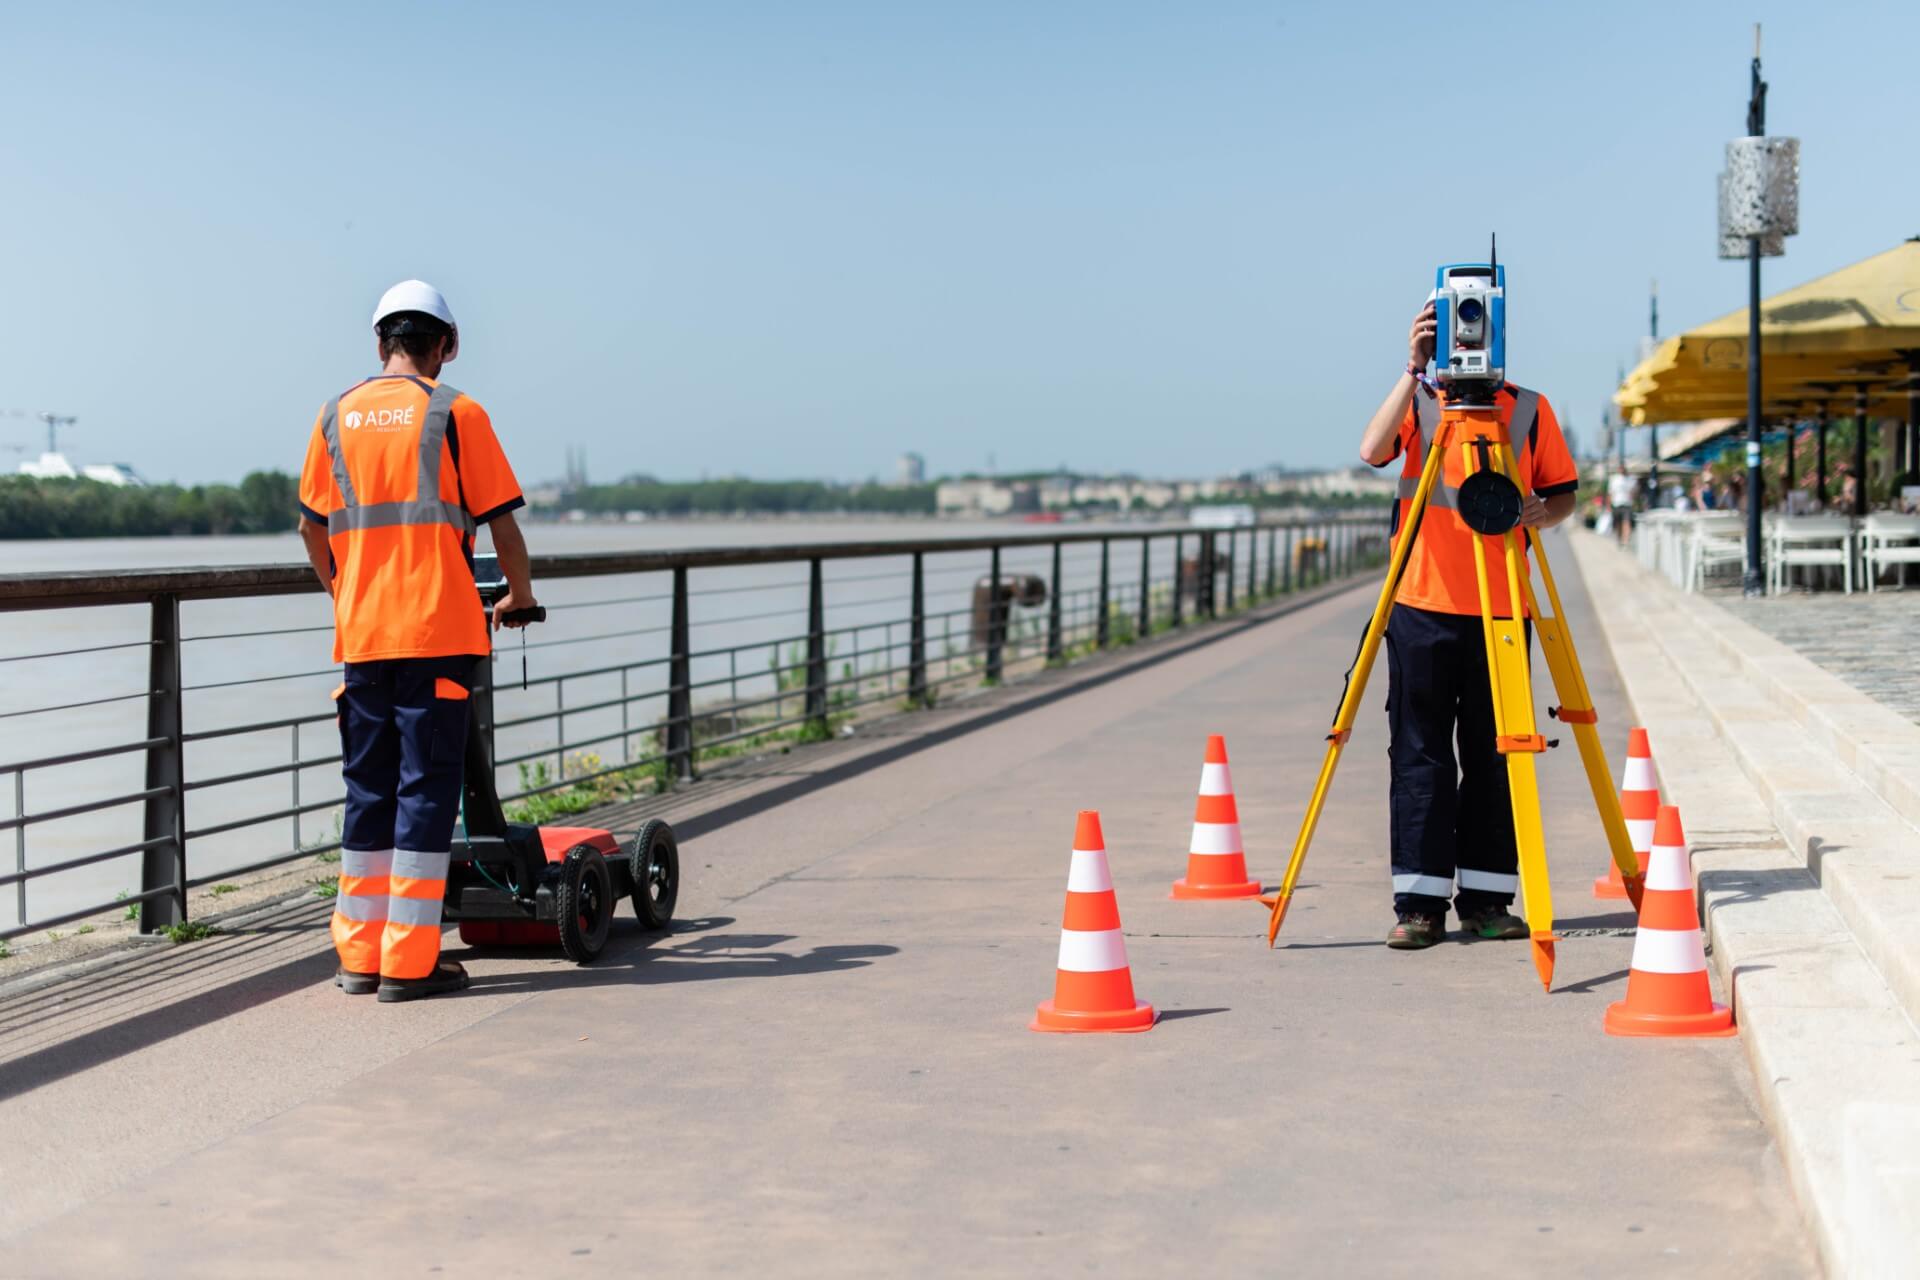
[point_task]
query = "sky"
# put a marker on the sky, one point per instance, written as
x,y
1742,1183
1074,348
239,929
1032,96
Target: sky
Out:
x,y
795,240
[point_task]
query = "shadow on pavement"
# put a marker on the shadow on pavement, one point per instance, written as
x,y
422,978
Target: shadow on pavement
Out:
x,y
1587,986
703,957
1174,1015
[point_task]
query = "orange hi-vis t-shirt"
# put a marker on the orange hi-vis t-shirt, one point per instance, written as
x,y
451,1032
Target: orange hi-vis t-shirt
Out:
x,y
1440,574
401,470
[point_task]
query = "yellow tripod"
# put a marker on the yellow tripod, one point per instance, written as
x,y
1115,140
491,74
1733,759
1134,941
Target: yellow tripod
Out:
x,y
1493,509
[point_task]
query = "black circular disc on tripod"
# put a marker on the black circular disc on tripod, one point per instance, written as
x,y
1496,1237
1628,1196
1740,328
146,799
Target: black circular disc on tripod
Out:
x,y
1489,502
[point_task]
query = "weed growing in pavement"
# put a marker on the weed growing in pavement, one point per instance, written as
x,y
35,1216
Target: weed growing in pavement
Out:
x,y
329,856
326,888
54,935
6,952
133,908
221,890
83,930
189,931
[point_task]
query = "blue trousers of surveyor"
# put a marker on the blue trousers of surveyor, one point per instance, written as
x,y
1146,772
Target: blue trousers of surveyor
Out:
x,y
403,731
1452,816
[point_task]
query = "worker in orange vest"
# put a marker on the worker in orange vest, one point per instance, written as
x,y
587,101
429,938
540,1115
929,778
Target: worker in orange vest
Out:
x,y
400,471
1452,819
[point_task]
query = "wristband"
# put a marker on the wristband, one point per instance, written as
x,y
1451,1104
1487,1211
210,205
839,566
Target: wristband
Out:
x,y
1414,371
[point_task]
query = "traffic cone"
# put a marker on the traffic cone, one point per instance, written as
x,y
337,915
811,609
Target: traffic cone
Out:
x,y
1216,864
1092,986
1640,802
1667,991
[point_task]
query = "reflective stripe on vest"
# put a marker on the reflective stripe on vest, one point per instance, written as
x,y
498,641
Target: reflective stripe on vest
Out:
x,y
1426,414
426,506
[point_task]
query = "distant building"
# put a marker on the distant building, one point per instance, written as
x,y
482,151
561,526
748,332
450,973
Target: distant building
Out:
x,y
985,498
56,466
913,470
1345,482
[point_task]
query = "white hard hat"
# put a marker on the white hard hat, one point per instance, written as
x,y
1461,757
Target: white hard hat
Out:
x,y
414,295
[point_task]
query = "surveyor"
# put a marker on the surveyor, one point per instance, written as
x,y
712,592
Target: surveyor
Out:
x,y
400,471
1451,820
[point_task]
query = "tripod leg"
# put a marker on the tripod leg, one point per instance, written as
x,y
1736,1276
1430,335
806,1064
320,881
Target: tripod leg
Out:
x,y
1577,713
1357,684
1519,742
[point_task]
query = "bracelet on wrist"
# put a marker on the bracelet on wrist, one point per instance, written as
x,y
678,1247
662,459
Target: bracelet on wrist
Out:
x,y
1414,371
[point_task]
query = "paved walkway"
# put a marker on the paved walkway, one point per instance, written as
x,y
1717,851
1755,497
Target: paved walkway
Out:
x,y
825,1071
1866,640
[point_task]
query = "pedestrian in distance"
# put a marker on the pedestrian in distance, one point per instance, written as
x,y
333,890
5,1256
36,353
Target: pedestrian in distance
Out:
x,y
1451,829
1620,492
401,470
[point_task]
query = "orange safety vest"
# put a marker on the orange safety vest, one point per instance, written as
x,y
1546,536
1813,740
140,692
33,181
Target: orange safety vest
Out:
x,y
399,526
1440,574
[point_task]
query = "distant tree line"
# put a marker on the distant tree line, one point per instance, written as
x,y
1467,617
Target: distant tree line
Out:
x,y
264,502
757,497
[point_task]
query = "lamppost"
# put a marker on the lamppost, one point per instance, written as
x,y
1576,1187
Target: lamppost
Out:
x,y
1759,209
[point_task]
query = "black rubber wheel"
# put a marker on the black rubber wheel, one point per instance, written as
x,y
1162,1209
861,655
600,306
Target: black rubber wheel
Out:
x,y
583,903
653,861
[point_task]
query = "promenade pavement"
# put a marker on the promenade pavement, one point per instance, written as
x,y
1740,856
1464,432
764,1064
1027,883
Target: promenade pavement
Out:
x,y
1865,639
824,1069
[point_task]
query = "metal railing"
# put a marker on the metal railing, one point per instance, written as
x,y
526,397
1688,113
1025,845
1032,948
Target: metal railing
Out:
x,y
652,700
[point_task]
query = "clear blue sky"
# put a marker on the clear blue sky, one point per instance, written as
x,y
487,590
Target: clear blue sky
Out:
x,y
796,239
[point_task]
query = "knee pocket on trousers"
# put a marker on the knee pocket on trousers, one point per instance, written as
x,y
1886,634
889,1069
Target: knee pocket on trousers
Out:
x,y
449,724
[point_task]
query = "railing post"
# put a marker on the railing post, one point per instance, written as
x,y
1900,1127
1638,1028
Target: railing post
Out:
x,y
996,620
1146,588
1101,629
1233,552
1286,564
1056,646
1273,551
816,645
1179,576
917,635
164,865
679,684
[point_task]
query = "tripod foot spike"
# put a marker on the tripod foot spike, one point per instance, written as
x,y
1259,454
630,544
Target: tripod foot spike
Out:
x,y
1279,903
1636,885
1543,958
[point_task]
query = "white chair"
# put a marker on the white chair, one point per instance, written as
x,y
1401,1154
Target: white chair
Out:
x,y
1888,539
1715,539
1801,542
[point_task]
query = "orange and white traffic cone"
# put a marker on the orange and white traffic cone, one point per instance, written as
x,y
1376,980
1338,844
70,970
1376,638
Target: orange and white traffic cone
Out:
x,y
1216,864
1640,803
1092,986
1667,991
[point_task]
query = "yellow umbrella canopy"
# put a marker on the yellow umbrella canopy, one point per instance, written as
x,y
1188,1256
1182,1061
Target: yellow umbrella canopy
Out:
x,y
1819,341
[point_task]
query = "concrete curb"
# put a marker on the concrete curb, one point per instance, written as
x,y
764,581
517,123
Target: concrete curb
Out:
x,y
1801,867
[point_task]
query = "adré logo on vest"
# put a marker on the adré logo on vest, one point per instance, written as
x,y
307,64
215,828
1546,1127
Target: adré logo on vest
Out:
x,y
380,419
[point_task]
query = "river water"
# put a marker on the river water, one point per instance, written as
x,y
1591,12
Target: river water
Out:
x,y
251,661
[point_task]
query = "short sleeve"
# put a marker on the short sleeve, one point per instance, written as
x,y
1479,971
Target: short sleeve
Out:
x,y
318,495
1553,468
1404,437
486,481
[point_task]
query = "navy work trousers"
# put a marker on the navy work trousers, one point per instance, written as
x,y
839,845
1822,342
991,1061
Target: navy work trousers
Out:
x,y
403,743
1452,817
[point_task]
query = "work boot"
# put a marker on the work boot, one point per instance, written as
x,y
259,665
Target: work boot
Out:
x,y
447,976
356,984
1416,932
1492,923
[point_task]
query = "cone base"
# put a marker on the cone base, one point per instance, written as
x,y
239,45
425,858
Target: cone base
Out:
x,y
1622,1021
1048,1018
1609,886
1195,892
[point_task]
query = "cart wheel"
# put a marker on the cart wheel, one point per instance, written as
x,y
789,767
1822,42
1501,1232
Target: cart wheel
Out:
x,y
653,861
583,903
